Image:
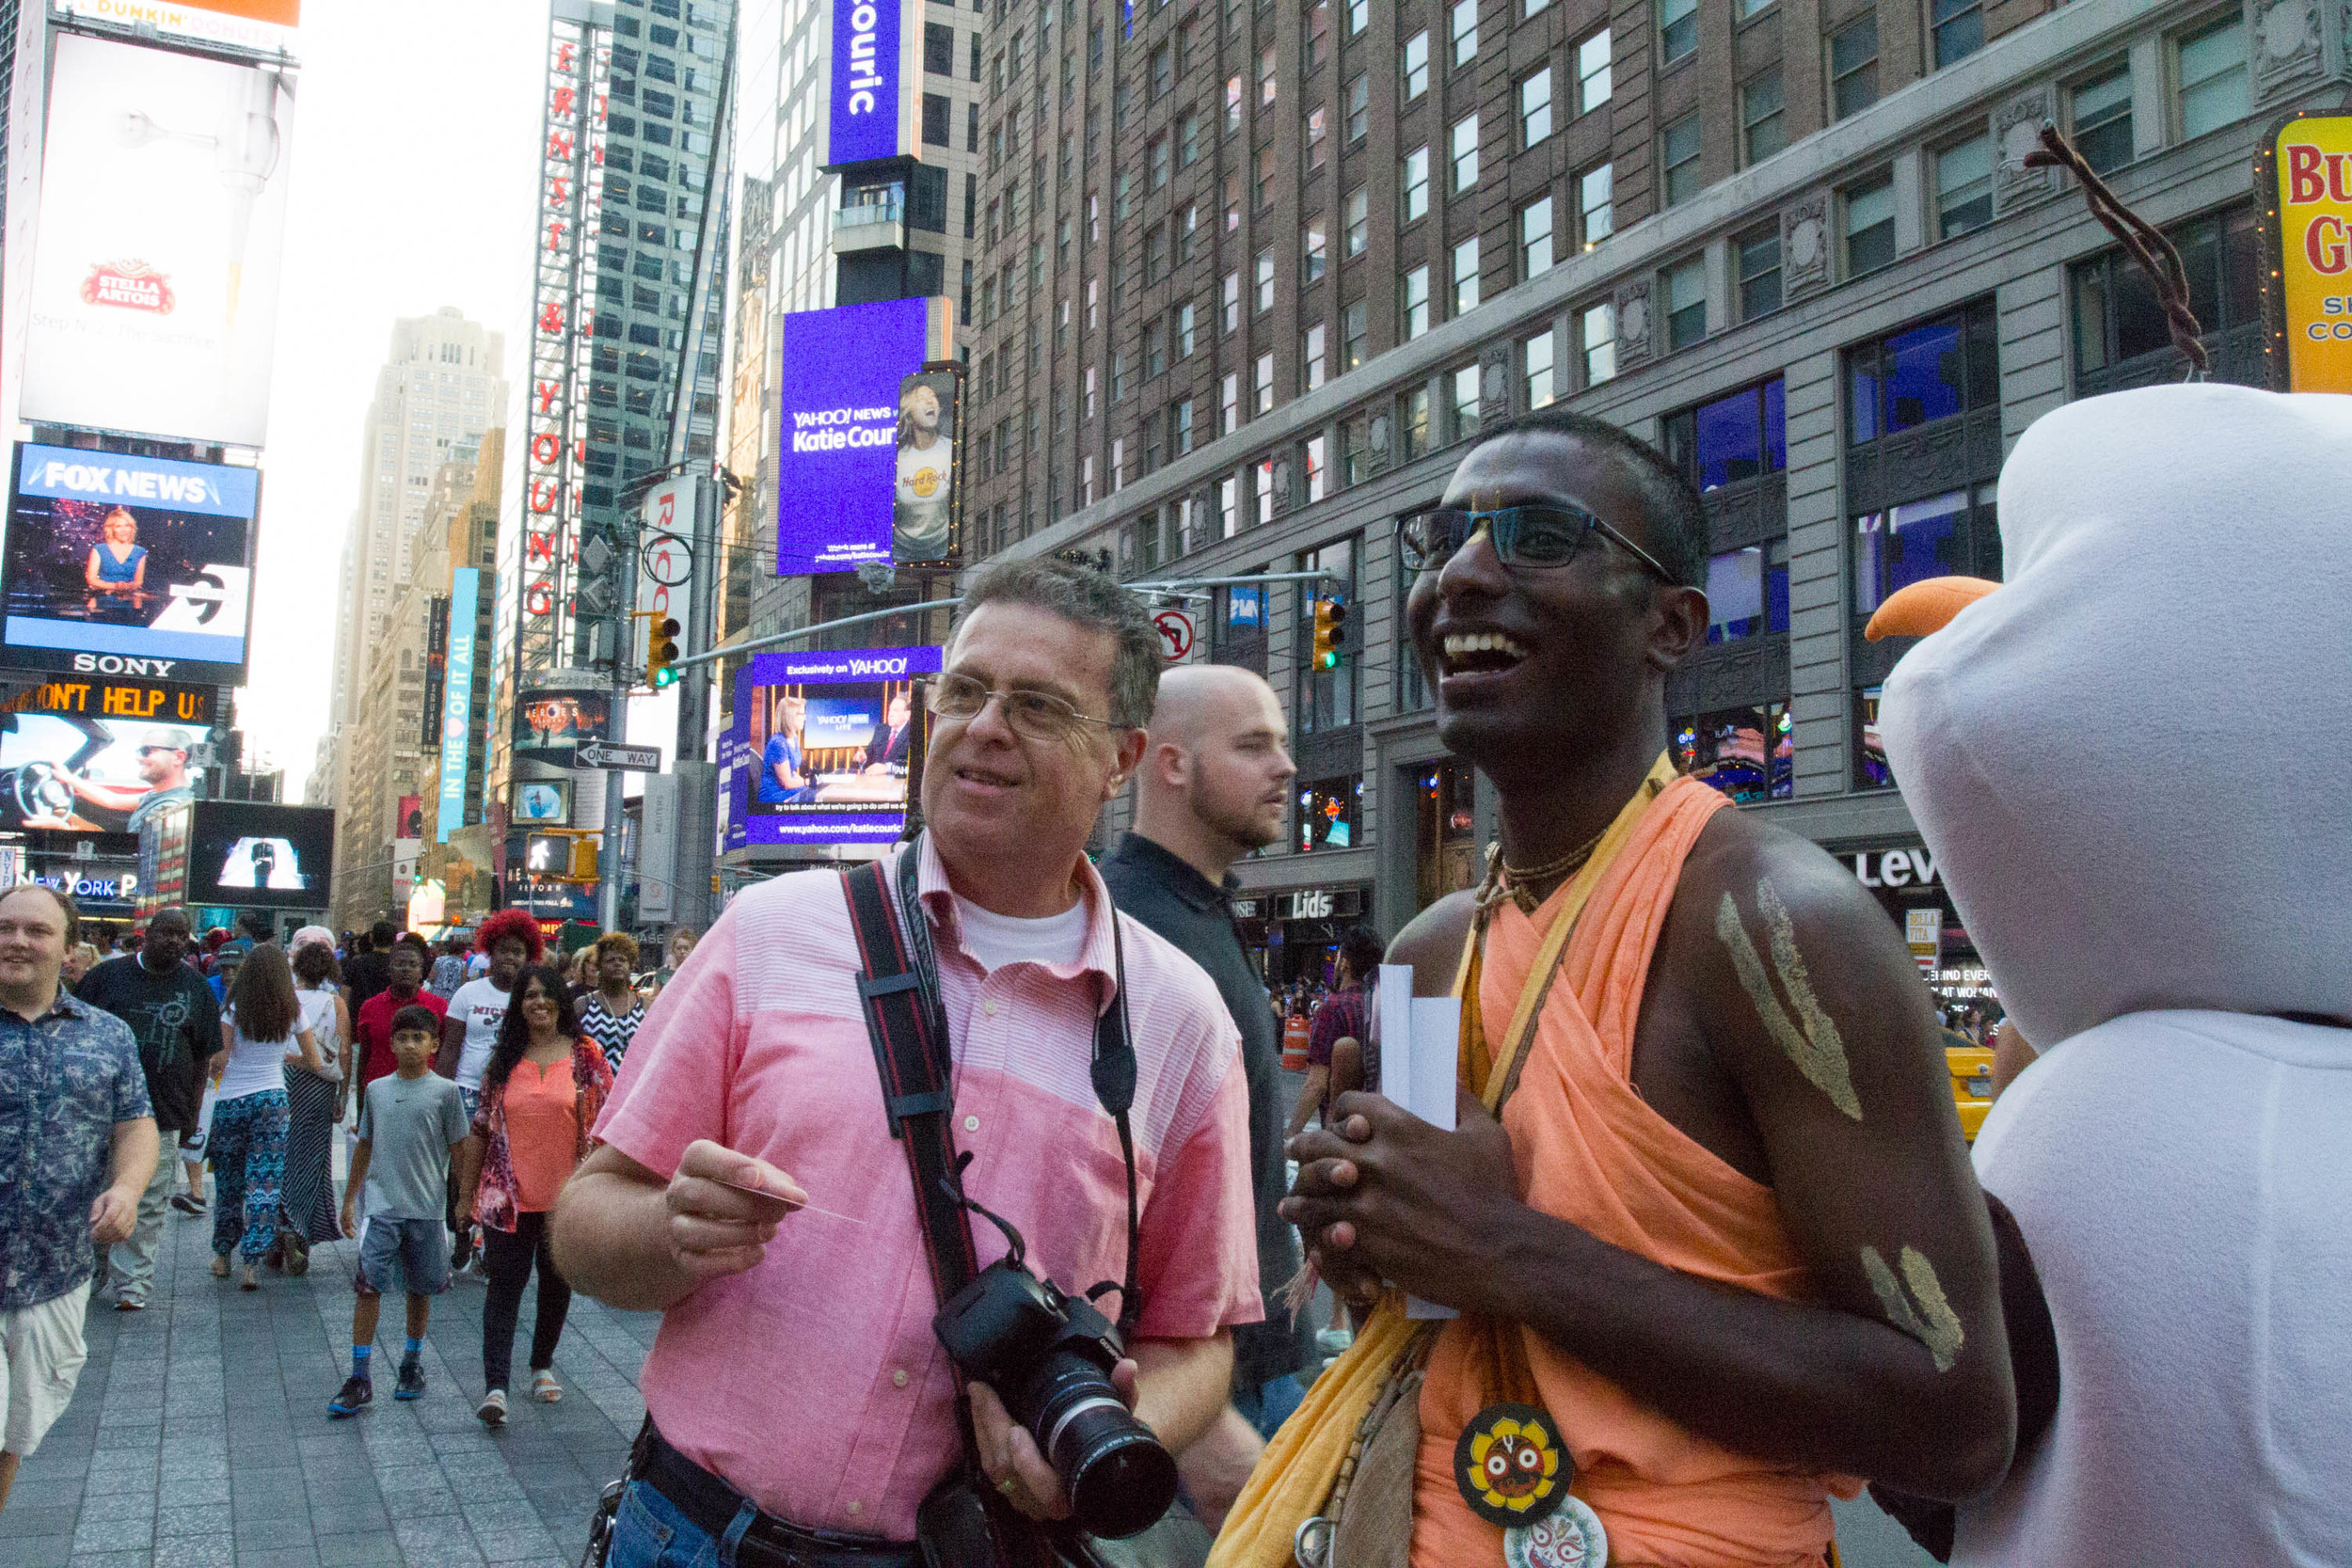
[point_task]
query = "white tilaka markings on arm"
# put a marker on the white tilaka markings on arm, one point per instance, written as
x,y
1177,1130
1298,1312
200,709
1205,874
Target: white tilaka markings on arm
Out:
x,y
1817,1048
1934,1324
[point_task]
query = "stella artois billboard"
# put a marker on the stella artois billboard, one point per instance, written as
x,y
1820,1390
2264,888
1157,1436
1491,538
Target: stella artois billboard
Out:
x,y
156,251
2309,213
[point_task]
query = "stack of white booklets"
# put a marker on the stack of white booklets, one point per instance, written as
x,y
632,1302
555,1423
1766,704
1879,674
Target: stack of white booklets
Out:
x,y
1420,1047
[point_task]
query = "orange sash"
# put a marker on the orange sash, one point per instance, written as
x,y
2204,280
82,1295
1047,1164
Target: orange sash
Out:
x,y
1589,1150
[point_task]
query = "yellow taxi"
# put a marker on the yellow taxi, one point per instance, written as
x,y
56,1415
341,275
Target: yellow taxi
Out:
x,y
1972,1081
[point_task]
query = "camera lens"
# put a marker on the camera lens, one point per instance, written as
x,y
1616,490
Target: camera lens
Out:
x,y
1118,1476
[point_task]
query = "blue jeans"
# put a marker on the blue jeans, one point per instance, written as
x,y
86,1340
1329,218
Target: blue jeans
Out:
x,y
649,1532
1269,1404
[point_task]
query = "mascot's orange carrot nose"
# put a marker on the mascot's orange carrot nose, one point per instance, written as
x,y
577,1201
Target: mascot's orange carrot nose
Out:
x,y
1920,608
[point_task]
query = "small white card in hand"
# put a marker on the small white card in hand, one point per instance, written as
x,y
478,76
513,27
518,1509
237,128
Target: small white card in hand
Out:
x,y
1419,1046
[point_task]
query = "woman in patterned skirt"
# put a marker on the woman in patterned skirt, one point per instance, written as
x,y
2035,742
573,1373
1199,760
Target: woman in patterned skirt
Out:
x,y
314,1104
261,1034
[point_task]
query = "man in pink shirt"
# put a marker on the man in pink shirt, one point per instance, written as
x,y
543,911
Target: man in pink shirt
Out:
x,y
801,1399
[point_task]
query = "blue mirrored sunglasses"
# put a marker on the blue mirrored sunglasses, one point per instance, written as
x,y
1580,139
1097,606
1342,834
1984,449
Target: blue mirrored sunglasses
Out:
x,y
1546,535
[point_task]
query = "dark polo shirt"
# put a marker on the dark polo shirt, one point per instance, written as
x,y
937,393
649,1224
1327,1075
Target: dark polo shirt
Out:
x,y
1174,899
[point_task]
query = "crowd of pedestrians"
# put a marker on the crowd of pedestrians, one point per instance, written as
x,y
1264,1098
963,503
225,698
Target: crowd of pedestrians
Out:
x,y
124,1079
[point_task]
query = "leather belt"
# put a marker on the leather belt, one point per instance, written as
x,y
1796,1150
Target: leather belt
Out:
x,y
710,1504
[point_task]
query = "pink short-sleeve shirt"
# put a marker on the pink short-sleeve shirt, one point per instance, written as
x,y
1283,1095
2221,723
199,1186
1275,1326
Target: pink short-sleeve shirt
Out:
x,y
812,1382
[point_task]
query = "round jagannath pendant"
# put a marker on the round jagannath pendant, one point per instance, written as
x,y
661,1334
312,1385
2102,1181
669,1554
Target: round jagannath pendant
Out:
x,y
1569,1537
1510,1465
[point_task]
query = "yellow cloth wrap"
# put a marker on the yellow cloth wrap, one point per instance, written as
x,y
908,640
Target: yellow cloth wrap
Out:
x,y
1295,1476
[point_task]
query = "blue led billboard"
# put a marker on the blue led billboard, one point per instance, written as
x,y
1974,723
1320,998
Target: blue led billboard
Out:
x,y
821,747
838,450
874,80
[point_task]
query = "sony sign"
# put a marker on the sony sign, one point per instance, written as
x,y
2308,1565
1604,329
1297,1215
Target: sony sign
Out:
x,y
875,76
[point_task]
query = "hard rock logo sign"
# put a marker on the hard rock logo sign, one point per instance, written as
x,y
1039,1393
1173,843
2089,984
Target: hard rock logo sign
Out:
x,y
130,285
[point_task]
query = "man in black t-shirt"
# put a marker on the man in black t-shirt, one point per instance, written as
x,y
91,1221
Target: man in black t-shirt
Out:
x,y
172,1015
369,970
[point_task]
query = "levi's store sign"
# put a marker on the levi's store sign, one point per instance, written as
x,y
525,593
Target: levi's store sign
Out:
x,y
1894,868
2311,222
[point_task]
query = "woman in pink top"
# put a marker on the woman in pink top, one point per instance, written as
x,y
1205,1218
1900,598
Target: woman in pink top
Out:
x,y
540,1095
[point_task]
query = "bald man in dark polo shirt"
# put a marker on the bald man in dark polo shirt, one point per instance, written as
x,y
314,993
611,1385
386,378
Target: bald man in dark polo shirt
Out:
x,y
1215,785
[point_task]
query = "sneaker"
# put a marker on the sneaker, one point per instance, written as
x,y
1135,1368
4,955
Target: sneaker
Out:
x,y
491,1412
192,1206
412,1385
357,1393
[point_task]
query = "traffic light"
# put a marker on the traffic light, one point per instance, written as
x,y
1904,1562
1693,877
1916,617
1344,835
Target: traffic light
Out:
x,y
1331,633
660,651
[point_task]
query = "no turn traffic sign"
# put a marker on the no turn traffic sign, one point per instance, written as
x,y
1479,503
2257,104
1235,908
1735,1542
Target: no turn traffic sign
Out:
x,y
1175,634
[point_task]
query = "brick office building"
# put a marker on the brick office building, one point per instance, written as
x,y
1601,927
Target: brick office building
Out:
x,y
1251,272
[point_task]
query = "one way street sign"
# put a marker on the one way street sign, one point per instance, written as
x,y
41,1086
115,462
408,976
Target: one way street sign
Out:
x,y
613,757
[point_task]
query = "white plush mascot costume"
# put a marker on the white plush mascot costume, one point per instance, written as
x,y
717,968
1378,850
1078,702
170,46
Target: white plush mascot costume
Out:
x,y
2134,765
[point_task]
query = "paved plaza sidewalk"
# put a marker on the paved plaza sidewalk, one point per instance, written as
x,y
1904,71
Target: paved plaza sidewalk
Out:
x,y
199,1436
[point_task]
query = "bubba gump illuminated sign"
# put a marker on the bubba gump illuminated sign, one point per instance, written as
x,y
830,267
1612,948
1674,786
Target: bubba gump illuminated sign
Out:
x,y
2312,166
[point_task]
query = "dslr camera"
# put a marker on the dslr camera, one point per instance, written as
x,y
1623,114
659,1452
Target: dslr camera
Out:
x,y
1049,1358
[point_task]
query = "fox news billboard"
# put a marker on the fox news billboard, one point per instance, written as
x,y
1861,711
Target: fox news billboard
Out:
x,y
837,454
873,81
156,254
823,746
122,566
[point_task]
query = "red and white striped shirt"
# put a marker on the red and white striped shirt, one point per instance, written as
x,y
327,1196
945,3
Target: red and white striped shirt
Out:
x,y
813,1383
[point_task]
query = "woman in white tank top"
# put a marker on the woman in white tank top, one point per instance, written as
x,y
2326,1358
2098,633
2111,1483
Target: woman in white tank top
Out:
x,y
262,1033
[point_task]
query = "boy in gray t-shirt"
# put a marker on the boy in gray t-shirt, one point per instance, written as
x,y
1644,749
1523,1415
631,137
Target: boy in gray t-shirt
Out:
x,y
408,1124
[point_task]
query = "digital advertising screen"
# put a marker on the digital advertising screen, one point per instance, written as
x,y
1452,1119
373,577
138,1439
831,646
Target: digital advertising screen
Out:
x,y
544,802
455,717
260,856
873,70
550,721
120,566
923,499
838,454
823,745
157,262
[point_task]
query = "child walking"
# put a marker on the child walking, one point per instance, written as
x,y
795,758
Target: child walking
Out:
x,y
410,1123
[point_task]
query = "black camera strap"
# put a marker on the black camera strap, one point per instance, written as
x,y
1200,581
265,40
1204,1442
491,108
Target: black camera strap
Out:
x,y
907,1023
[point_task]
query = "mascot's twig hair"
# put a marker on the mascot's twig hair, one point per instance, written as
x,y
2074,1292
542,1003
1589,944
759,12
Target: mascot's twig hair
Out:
x,y
2141,240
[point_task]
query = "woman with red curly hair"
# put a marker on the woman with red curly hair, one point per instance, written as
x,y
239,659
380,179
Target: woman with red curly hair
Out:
x,y
469,1032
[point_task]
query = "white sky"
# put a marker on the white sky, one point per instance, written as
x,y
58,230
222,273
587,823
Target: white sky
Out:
x,y
414,158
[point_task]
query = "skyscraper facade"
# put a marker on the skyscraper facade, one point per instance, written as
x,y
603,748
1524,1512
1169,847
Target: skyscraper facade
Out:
x,y
1251,275
809,239
442,386
627,330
